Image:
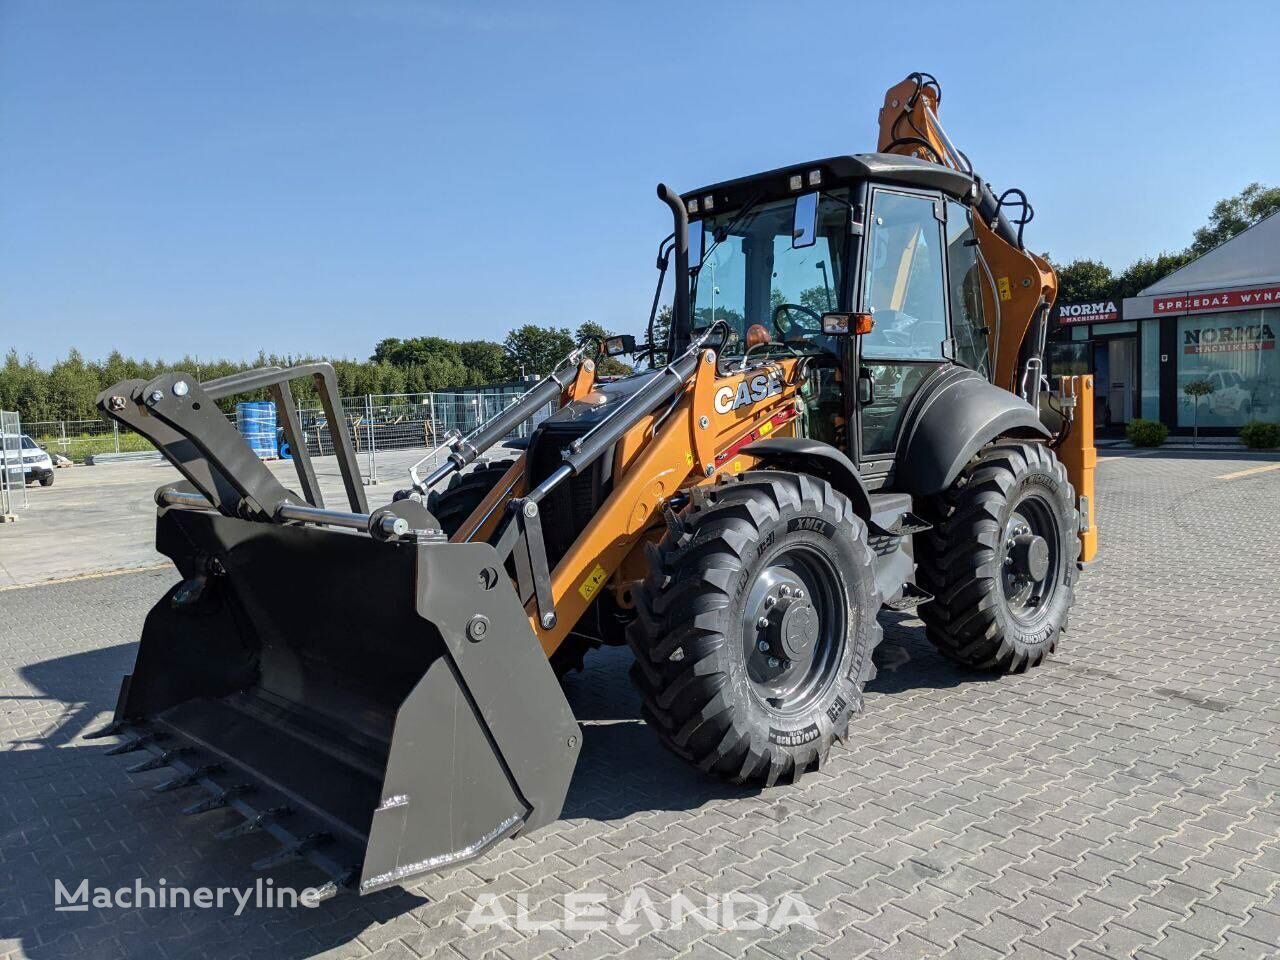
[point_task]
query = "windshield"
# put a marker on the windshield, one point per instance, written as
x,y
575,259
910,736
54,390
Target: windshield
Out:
x,y
28,443
752,275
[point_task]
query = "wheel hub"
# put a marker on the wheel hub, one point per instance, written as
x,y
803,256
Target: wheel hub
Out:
x,y
1030,555
793,628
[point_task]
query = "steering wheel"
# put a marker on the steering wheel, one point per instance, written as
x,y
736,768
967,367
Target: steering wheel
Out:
x,y
785,329
894,327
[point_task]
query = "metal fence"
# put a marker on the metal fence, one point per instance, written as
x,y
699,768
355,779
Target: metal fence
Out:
x,y
13,481
378,424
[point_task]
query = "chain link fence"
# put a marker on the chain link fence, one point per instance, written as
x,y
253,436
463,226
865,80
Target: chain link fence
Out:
x,y
13,480
379,425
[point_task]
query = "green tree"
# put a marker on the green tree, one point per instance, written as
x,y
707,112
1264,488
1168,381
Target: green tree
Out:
x,y
1195,390
1085,281
1235,215
539,349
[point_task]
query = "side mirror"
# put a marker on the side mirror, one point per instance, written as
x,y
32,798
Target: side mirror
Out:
x,y
617,346
843,324
804,224
696,237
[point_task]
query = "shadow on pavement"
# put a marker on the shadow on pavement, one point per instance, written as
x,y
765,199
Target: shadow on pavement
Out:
x,y
72,814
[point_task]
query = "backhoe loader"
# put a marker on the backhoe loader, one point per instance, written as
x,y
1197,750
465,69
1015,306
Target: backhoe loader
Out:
x,y
849,415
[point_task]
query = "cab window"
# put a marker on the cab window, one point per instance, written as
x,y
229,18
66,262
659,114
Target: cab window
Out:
x,y
964,278
902,284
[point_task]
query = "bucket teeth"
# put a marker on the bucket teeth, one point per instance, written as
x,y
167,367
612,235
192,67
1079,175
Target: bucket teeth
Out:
x,y
220,799
110,730
159,760
137,743
332,888
186,779
253,824
292,851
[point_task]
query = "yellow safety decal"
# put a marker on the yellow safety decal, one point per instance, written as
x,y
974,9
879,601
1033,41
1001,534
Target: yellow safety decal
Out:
x,y
766,428
591,585
688,458
1006,291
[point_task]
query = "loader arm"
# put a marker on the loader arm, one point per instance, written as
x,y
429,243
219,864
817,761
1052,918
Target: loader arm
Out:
x,y
693,445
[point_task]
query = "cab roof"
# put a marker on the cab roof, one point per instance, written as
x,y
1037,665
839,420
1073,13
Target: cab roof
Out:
x,y
885,167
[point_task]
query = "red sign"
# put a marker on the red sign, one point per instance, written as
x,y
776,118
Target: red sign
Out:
x,y
1221,300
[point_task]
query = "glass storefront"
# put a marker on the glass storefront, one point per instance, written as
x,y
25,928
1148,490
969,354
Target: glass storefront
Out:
x,y
1236,354
1150,340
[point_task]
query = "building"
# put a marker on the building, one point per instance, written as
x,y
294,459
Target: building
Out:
x,y
1214,319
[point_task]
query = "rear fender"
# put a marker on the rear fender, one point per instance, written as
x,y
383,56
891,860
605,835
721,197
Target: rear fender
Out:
x,y
955,415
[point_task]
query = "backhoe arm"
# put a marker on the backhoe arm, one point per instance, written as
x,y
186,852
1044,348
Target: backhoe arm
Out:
x,y
1021,286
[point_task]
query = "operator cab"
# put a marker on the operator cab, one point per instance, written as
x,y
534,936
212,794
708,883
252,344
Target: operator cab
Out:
x,y
876,234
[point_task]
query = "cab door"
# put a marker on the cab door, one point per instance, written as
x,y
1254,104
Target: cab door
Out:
x,y
903,285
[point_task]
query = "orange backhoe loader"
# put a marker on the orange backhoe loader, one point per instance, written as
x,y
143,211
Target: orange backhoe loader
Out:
x,y
849,414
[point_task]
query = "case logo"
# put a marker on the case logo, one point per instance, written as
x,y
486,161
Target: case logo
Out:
x,y
763,385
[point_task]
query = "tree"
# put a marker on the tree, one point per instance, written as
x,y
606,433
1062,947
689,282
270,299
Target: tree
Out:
x,y
1235,215
1195,390
539,349
1147,270
1085,281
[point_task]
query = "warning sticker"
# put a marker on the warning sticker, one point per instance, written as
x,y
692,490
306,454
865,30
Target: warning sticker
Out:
x,y
591,585
1006,290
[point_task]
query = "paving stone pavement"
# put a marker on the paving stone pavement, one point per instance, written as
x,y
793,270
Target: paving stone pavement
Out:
x,y
1121,801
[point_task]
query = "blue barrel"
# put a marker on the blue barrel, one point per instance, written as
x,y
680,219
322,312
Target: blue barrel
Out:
x,y
257,424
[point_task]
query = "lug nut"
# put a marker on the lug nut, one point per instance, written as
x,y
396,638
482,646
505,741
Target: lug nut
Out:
x,y
762,623
775,662
799,594
763,646
770,601
785,591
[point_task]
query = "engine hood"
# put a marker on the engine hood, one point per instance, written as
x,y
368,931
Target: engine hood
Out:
x,y
600,402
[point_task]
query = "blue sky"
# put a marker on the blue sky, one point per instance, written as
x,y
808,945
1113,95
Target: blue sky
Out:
x,y
312,176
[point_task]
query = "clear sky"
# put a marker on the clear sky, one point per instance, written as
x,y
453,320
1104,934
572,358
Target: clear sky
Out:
x,y
310,176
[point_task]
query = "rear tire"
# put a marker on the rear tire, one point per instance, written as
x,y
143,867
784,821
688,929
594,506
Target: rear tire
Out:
x,y
981,559
715,596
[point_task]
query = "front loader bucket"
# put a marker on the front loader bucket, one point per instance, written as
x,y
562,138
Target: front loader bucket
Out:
x,y
380,709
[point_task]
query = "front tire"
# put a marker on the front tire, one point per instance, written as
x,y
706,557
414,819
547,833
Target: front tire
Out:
x,y
1001,559
756,626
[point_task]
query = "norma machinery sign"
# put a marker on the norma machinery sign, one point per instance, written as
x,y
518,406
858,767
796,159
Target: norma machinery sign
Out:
x,y
1245,299
1100,311
1217,337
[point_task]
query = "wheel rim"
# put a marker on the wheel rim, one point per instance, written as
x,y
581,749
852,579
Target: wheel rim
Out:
x,y
1029,559
795,622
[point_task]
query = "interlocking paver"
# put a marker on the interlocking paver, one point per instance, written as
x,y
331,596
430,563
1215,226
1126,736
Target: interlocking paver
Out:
x,y
1121,801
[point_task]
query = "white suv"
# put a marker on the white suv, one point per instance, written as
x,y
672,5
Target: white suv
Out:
x,y
37,465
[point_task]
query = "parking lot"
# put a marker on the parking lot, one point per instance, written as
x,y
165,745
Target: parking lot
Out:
x,y
1122,800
